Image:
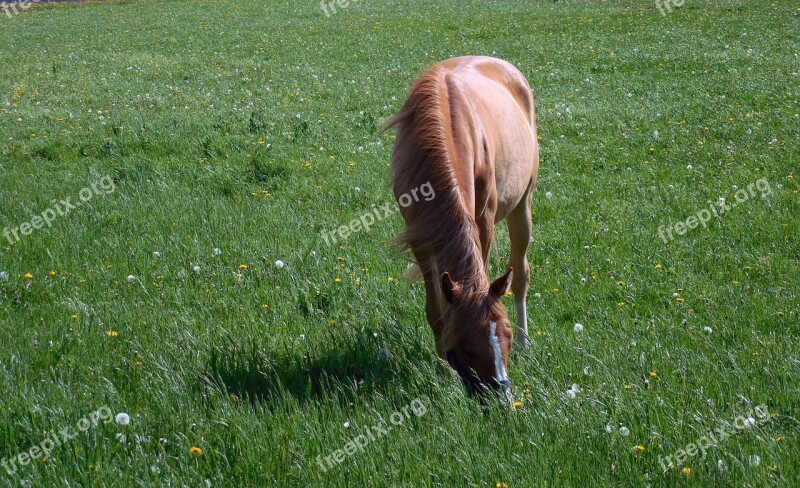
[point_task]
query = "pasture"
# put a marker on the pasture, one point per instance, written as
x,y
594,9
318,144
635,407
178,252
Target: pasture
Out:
x,y
206,146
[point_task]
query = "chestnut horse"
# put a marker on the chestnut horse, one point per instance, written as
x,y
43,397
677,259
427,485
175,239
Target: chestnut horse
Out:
x,y
468,128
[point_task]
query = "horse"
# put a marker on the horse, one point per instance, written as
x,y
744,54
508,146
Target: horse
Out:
x,y
468,129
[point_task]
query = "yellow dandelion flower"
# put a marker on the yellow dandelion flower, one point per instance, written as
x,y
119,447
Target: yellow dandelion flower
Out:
x,y
52,273
137,363
774,467
628,386
112,333
779,439
390,279
539,333
500,484
658,266
242,266
652,374
265,306
338,280
74,317
620,283
638,448
686,470
679,300
517,404
28,276
196,451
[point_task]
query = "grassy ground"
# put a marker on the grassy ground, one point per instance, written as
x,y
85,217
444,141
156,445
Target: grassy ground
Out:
x,y
249,127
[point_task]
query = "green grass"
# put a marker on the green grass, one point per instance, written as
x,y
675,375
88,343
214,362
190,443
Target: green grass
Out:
x,y
251,127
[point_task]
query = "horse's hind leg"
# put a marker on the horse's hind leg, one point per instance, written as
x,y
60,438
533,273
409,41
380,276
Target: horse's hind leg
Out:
x,y
519,231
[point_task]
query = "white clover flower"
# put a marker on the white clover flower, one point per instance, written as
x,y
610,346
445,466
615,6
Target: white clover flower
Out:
x,y
347,425
549,194
122,418
279,264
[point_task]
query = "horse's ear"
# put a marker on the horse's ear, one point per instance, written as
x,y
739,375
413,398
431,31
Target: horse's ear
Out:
x,y
449,287
500,286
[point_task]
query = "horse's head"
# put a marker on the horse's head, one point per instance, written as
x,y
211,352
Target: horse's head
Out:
x,y
478,334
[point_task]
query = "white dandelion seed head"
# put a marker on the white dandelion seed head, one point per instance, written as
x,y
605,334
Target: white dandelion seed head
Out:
x,y
347,425
721,465
624,431
708,329
3,275
583,280
122,418
749,422
578,328
131,278
571,394
689,167
156,254
537,295
609,428
217,251
279,264
754,460
549,194
196,268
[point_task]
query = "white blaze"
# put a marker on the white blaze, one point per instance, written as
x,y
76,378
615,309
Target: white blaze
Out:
x,y
500,374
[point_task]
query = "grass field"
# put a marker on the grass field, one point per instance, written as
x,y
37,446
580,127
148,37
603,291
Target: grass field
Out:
x,y
211,139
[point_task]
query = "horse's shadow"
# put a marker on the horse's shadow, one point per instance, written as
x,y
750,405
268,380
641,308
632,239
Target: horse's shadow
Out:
x,y
352,370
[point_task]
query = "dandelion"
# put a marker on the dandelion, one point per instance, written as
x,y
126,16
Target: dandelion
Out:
x,y
500,484
28,276
578,328
571,394
196,268
779,439
112,333
624,431
549,194
686,470
242,266
652,374
575,388
217,251
707,329
721,465
620,283
156,254
689,167
122,418
279,264
587,371
754,460
338,280
3,275
74,317
347,425
196,451
131,278
638,448
749,422
517,404
52,273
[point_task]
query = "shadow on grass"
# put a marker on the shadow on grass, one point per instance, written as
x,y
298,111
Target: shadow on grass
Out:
x,y
339,373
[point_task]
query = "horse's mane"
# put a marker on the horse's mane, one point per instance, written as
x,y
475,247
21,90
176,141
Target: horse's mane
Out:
x,y
442,230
